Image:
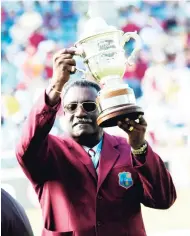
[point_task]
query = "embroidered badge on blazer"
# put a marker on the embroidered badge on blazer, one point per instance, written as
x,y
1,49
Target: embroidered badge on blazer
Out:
x,y
125,179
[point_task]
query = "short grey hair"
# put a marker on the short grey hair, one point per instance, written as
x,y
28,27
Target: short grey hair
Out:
x,y
83,83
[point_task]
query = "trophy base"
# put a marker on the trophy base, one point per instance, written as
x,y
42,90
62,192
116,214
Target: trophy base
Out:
x,y
110,116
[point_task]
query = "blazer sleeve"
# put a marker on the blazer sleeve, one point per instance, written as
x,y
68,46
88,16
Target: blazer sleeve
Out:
x,y
158,190
32,151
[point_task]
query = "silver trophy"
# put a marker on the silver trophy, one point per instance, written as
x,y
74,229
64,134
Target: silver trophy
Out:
x,y
102,48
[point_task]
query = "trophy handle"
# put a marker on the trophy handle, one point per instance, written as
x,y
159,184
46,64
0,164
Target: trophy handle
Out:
x,y
79,52
138,45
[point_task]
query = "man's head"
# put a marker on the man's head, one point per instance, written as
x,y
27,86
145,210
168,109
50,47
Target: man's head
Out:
x,y
79,103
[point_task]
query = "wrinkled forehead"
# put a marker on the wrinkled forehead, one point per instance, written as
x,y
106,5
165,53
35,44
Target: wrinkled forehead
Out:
x,y
80,94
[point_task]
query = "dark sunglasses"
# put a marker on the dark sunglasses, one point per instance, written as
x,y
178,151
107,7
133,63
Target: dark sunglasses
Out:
x,y
86,106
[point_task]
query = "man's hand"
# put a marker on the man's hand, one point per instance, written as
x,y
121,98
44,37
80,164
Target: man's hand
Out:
x,y
63,66
136,131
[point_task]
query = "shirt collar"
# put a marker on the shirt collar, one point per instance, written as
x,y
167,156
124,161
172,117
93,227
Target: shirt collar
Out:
x,y
94,148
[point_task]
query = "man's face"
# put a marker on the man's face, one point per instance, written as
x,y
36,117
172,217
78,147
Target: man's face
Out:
x,y
80,122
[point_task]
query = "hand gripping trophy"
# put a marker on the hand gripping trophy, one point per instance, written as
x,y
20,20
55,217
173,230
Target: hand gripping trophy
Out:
x,y
102,48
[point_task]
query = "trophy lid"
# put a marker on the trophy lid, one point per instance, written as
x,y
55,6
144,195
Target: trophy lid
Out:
x,y
94,26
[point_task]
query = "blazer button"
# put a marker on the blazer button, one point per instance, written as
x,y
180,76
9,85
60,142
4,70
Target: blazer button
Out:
x,y
99,197
99,223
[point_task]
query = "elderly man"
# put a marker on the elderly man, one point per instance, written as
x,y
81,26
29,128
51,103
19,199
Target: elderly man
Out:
x,y
89,182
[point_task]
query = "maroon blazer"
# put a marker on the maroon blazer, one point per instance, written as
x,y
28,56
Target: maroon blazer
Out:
x,y
74,201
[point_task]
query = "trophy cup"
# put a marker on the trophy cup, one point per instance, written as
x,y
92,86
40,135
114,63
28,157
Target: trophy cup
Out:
x,y
102,48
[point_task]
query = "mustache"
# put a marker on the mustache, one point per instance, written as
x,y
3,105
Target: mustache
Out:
x,y
83,121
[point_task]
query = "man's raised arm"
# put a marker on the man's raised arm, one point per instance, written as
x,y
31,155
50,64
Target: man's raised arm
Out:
x,y
34,148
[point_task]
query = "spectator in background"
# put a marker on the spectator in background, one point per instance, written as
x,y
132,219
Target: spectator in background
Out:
x,y
134,74
131,79
36,37
188,32
14,221
8,75
187,57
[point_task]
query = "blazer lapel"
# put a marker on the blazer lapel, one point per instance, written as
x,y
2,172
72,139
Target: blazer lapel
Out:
x,y
78,151
109,155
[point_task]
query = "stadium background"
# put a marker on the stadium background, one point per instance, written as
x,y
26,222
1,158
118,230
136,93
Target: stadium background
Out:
x,y
31,31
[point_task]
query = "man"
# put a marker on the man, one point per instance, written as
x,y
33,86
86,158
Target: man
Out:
x,y
89,182
14,221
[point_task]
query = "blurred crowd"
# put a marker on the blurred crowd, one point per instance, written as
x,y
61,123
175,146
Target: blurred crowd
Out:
x,y
32,31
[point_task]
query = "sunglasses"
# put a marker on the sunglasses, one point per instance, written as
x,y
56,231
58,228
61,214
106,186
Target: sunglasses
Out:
x,y
86,106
